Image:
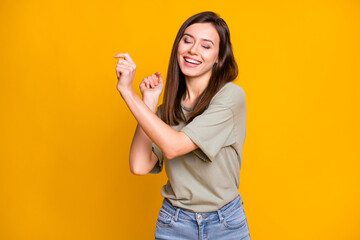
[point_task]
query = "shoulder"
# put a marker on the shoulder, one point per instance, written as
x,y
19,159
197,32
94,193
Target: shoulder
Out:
x,y
230,95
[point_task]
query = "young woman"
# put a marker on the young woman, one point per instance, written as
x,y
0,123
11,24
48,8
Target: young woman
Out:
x,y
198,133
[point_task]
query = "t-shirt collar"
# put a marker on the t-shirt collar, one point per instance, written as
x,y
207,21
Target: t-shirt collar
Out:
x,y
185,107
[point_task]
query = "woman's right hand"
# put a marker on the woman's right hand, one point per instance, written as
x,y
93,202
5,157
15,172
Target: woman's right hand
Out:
x,y
151,87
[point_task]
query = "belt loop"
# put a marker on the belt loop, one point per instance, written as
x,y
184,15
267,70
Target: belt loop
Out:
x,y
242,201
220,216
177,214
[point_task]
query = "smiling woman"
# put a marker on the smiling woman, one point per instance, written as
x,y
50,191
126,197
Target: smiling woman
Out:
x,y
197,133
196,52
205,39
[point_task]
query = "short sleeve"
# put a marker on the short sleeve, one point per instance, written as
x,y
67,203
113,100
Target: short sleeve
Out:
x,y
215,128
211,131
159,164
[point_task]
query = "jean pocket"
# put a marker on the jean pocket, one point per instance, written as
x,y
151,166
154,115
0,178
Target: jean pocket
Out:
x,y
165,219
236,219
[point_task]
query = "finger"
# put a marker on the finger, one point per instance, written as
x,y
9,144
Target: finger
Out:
x,y
129,68
118,74
123,70
116,56
142,84
123,67
155,79
159,78
146,83
126,56
124,62
149,80
157,75
161,81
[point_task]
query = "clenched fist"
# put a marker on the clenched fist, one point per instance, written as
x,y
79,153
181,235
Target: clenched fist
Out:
x,y
151,87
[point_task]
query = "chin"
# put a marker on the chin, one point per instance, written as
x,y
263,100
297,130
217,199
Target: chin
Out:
x,y
189,72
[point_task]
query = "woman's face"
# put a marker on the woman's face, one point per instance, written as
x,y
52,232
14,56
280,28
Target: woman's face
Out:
x,y
198,50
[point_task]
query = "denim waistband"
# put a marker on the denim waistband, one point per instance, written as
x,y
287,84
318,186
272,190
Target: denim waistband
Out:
x,y
181,213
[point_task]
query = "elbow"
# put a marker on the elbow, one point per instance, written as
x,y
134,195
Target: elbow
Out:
x,y
173,151
170,154
137,168
175,147
138,171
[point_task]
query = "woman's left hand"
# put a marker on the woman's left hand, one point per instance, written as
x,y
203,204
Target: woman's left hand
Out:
x,y
125,71
152,86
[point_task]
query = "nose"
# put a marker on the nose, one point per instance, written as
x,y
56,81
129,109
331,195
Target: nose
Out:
x,y
193,49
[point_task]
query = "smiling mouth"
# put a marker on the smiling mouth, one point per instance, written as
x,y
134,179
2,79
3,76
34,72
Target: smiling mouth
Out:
x,y
192,61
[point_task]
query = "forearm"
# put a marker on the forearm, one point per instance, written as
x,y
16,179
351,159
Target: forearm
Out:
x,y
166,138
171,142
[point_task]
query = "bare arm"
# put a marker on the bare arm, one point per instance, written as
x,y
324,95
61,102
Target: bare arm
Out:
x,y
142,159
171,142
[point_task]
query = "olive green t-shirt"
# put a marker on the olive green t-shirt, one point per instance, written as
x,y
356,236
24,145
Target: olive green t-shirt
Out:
x,y
207,178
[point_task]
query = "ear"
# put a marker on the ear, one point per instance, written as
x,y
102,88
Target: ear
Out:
x,y
217,60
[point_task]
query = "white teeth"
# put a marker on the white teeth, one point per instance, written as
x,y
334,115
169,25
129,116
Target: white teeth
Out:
x,y
192,61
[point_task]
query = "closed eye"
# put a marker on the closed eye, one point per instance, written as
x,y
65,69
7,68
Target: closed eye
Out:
x,y
185,41
204,46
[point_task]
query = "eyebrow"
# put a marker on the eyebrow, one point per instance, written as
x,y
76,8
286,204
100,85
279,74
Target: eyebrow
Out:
x,y
208,40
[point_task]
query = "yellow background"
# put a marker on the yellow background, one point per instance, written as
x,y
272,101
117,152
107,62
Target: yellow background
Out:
x,y
65,132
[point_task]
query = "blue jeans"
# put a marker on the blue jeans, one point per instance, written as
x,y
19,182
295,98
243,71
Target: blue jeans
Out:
x,y
228,223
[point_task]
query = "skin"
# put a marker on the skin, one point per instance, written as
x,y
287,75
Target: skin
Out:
x,y
201,42
150,128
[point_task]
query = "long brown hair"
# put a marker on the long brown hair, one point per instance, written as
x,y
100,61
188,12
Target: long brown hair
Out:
x,y
223,72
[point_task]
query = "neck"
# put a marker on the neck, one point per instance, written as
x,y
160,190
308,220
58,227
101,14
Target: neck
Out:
x,y
195,86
